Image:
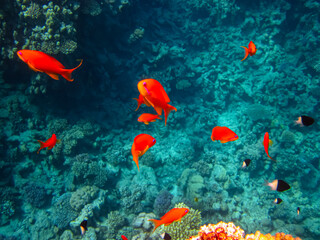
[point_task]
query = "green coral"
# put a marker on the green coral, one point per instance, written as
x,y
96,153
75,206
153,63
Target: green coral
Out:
x,y
188,226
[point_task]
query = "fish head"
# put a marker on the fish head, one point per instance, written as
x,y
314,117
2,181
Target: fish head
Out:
x,y
21,55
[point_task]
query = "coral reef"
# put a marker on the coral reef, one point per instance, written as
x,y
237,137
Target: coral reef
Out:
x,y
229,231
188,226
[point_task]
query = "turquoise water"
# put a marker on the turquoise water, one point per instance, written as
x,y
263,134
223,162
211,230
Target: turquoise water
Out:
x,y
193,48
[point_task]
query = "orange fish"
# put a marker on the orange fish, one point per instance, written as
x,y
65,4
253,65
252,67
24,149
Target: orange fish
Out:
x,y
140,101
50,143
41,62
250,50
223,134
148,117
141,144
266,143
124,237
154,93
175,214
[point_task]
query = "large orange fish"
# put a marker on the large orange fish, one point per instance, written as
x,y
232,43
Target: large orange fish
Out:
x,y
146,118
154,93
266,143
50,143
223,134
41,62
250,50
175,214
141,144
140,101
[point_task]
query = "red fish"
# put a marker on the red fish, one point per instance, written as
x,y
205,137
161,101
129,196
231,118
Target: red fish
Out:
x,y
140,146
266,143
41,62
140,101
223,134
148,117
175,214
250,50
50,143
124,237
154,93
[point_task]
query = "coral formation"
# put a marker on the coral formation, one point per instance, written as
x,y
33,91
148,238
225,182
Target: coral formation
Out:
x,y
228,231
188,226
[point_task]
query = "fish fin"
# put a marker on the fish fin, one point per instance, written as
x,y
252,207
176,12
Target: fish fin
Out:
x,y
50,147
246,52
54,76
138,103
41,146
167,110
66,73
145,150
166,224
146,123
32,67
158,110
223,141
58,140
156,223
212,138
270,142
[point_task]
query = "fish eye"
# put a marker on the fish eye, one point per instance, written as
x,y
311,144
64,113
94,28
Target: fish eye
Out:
x,y
186,211
153,140
144,83
20,53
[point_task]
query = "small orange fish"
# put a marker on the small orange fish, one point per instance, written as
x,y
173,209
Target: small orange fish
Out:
x,y
298,211
41,62
140,146
50,143
140,101
124,237
148,117
154,94
250,50
223,134
266,143
175,214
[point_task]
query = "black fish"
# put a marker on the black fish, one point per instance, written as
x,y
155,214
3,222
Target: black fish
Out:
x,y
83,227
277,201
246,163
305,120
165,236
282,186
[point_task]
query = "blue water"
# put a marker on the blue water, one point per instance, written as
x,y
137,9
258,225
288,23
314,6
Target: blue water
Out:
x,y
193,48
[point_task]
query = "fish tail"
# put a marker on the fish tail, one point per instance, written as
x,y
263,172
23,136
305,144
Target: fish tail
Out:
x,y
41,146
139,104
246,53
156,223
136,160
66,73
167,110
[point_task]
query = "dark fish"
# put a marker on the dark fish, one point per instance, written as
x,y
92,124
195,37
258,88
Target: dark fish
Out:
x,y
277,201
305,120
298,211
278,185
165,236
246,163
83,227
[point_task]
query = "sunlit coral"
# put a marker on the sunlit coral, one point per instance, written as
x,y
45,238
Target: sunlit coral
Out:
x,y
228,231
